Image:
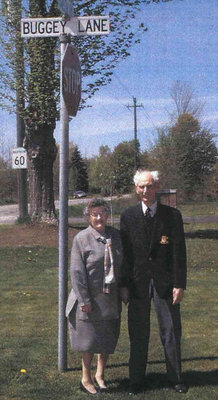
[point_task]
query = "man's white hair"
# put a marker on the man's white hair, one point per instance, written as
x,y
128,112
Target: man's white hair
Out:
x,y
139,175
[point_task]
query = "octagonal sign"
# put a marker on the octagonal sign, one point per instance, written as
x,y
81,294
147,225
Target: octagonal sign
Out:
x,y
71,79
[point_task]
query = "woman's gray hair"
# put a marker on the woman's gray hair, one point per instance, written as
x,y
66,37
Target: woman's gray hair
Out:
x,y
95,203
138,175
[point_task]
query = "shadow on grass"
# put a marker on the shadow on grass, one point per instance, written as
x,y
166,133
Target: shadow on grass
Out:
x,y
191,379
203,234
155,381
118,365
159,380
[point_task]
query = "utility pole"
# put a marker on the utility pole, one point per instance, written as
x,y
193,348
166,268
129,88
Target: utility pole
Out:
x,y
135,106
14,13
22,173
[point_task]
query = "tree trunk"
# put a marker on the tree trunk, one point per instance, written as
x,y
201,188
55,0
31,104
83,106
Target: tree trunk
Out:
x,y
42,151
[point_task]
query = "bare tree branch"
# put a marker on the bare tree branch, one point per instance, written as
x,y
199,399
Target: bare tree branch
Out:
x,y
184,99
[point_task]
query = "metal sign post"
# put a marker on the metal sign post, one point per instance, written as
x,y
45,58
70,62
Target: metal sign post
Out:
x,y
70,91
66,7
63,222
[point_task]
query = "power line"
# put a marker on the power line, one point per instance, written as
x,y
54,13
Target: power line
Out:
x,y
122,84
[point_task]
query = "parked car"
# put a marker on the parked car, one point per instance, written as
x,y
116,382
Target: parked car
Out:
x,y
78,194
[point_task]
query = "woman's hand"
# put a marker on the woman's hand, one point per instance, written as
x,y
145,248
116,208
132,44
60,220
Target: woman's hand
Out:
x,y
87,308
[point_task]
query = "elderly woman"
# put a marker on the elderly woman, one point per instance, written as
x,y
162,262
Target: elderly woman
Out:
x,y
94,305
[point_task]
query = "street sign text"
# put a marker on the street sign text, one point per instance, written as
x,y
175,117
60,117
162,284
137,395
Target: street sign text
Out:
x,y
35,27
19,158
89,25
71,79
76,26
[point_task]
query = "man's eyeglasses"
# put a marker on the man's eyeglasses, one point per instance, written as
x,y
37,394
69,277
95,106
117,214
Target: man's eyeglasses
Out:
x,y
142,187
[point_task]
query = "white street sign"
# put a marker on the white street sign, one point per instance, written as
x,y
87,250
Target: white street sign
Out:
x,y
93,25
44,27
76,26
19,158
66,7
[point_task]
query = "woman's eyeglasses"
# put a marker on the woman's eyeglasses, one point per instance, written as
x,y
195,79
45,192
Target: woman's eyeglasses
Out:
x,y
101,214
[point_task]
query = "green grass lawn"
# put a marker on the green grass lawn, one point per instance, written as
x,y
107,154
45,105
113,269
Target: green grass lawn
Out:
x,y
29,329
120,204
195,208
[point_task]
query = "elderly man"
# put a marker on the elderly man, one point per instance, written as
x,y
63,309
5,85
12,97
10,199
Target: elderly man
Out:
x,y
154,266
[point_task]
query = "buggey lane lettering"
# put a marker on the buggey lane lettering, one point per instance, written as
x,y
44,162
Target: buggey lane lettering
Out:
x,y
92,25
63,23
40,27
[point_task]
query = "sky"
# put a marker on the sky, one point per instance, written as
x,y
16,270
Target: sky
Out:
x,y
181,44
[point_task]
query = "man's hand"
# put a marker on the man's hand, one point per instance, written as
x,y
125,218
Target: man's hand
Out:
x,y
124,293
87,308
177,295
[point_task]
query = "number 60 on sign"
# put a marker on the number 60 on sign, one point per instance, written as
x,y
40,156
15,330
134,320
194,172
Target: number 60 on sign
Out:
x,y
19,158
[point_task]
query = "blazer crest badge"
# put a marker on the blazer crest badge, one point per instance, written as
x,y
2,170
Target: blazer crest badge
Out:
x,y
164,240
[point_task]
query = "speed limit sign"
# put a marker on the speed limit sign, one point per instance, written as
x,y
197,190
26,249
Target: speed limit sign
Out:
x,y
19,158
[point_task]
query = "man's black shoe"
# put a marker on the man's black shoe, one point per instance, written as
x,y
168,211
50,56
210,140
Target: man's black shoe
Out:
x,y
136,388
179,387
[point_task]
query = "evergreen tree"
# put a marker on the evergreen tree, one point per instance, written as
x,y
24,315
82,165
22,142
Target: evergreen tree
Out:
x,y
78,175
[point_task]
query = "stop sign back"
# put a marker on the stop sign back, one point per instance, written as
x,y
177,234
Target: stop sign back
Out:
x,y
71,79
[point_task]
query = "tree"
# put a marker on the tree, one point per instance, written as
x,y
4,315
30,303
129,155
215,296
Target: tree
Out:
x,y
78,175
8,176
99,56
78,171
101,172
184,100
112,172
162,159
185,154
8,182
5,147
195,152
144,160
124,165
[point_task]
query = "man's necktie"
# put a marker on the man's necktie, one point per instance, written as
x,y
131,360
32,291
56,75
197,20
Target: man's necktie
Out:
x,y
148,213
148,224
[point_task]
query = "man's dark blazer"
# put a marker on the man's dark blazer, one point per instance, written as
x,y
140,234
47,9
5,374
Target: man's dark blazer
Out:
x,y
164,260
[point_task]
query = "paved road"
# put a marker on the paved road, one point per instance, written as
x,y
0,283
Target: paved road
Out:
x,y
10,213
